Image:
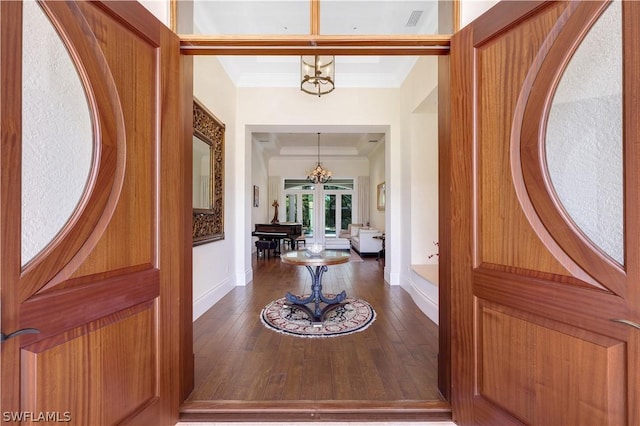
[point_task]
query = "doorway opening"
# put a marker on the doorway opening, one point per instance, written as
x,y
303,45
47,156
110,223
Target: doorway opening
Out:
x,y
294,201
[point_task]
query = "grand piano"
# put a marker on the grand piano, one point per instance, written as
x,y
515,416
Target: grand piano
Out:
x,y
278,231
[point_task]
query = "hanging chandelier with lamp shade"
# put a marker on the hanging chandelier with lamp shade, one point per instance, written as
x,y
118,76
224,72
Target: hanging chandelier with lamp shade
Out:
x,y
319,174
317,74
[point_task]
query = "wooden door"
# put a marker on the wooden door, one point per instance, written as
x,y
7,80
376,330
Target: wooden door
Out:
x,y
105,293
536,304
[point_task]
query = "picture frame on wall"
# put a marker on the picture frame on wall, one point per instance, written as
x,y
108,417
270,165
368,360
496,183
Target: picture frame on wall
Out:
x,y
256,196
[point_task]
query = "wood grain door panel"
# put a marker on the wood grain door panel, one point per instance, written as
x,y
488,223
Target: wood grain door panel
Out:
x,y
547,362
532,299
109,367
105,294
129,239
499,206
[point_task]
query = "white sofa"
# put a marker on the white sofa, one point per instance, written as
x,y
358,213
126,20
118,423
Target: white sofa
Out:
x,y
364,243
351,230
335,243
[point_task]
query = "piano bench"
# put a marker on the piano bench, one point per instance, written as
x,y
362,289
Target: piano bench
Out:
x,y
265,246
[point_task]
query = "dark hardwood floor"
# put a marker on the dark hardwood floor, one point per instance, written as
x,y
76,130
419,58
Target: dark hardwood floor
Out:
x,y
238,359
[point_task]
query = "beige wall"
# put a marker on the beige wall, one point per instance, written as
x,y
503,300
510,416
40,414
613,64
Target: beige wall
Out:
x,y
377,176
420,154
260,177
214,272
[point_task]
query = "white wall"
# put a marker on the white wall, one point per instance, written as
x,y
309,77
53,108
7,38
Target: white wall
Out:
x,y
159,8
471,9
424,180
297,167
360,109
377,176
419,103
259,177
214,272
419,180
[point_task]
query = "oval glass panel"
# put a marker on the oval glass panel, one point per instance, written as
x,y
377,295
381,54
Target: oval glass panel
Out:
x,y
57,136
584,135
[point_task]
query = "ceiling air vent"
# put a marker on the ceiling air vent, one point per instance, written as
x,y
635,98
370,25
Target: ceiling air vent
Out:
x,y
414,18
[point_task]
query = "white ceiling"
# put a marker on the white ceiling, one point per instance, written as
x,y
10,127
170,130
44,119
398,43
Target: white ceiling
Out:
x,y
351,71
302,144
292,17
337,17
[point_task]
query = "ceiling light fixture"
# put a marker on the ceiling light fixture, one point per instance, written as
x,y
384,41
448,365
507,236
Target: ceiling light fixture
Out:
x,y
318,74
319,174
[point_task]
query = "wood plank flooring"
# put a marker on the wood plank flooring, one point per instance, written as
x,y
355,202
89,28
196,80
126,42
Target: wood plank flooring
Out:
x,y
239,359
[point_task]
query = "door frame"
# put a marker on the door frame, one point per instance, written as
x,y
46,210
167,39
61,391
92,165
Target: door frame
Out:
x,y
316,44
355,410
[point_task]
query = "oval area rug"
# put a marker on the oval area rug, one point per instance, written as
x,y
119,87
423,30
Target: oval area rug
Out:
x,y
350,316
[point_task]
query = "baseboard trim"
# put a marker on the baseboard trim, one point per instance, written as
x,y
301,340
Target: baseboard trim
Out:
x,y
211,297
427,301
244,277
394,277
291,411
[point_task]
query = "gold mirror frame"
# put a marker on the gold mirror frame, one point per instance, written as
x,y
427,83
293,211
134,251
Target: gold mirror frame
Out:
x,y
208,224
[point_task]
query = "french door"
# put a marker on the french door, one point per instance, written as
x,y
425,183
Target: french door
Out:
x,y
322,212
300,208
337,212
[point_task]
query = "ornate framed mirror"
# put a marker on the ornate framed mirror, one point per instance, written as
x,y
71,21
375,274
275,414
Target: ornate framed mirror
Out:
x,y
208,175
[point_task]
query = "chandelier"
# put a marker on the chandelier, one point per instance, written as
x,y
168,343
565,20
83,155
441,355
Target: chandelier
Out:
x,y
317,74
319,174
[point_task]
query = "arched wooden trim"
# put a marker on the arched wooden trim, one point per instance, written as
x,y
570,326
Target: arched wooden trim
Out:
x,y
80,234
532,137
516,169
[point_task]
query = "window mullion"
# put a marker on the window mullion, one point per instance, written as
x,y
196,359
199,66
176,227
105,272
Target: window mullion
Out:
x,y
315,17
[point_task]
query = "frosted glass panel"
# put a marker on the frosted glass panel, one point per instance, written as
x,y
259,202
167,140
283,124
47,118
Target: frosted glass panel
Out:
x,y
584,135
349,17
56,134
286,17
